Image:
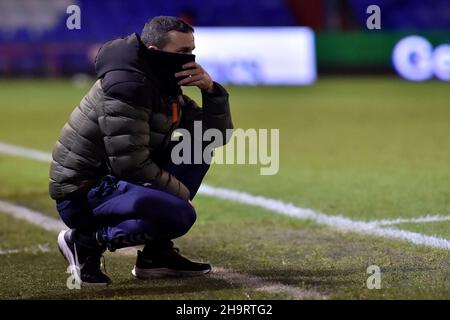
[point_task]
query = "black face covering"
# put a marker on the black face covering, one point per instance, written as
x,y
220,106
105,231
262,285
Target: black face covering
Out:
x,y
164,65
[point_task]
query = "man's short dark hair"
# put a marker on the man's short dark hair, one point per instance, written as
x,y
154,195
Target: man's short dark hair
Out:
x,y
156,31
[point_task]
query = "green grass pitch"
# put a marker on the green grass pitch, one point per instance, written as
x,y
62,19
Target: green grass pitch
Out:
x,y
364,148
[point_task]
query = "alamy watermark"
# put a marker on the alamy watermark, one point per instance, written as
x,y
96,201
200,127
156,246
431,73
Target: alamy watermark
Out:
x,y
251,146
374,280
73,281
73,21
374,20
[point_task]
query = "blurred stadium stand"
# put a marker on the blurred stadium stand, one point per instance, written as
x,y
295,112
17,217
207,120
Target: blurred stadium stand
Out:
x,y
45,20
34,39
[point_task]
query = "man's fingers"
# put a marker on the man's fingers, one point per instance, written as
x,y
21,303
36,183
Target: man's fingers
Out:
x,y
192,64
191,79
196,76
194,84
187,73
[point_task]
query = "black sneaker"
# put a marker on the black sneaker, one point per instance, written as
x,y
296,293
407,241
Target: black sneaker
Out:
x,y
168,263
84,264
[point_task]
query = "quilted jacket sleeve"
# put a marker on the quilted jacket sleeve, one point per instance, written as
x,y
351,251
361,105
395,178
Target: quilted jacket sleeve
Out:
x,y
215,112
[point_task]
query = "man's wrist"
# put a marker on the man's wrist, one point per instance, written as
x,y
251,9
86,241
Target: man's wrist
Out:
x,y
211,88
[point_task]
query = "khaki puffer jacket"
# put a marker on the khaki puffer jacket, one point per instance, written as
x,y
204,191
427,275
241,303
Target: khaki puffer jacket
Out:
x,y
124,124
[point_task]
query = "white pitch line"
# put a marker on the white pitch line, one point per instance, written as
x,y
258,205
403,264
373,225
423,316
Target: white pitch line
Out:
x,y
25,152
44,247
258,284
425,219
336,222
32,216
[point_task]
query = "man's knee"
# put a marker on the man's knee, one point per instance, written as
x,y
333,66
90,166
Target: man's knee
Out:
x,y
183,219
190,216
176,216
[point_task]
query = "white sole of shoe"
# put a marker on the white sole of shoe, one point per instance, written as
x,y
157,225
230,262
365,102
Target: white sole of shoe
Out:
x,y
74,266
69,256
156,273
65,250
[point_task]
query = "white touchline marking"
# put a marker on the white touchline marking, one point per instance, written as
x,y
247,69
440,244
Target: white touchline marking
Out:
x,y
259,284
25,152
336,222
32,216
44,247
51,224
425,219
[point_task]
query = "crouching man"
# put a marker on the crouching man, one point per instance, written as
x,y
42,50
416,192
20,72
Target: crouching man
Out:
x,y
112,176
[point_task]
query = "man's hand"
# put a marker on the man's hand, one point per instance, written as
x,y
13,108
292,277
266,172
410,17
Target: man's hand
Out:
x,y
196,76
